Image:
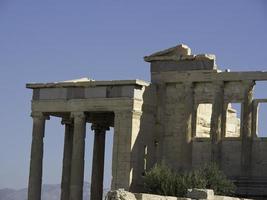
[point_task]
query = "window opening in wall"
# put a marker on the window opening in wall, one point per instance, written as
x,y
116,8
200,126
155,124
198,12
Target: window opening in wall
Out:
x,y
233,120
262,120
204,112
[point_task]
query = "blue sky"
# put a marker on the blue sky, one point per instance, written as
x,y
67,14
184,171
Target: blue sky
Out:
x,y
42,41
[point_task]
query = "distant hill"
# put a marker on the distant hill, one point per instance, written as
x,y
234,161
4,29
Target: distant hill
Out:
x,y
49,192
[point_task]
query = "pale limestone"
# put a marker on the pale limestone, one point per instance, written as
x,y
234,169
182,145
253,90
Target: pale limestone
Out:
x,y
166,117
204,113
121,194
170,54
140,196
200,194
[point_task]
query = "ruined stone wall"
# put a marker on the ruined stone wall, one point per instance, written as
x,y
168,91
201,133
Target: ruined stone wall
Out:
x,y
173,126
194,120
145,149
193,194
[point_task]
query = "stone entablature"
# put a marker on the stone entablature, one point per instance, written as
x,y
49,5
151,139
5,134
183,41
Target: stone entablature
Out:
x,y
88,89
153,123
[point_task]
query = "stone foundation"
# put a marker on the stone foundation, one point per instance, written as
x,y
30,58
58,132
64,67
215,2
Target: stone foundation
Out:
x,y
193,194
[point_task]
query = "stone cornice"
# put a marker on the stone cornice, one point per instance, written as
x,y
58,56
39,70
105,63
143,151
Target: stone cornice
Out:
x,y
205,76
87,84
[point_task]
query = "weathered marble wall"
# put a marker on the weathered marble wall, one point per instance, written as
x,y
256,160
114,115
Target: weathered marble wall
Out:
x,y
195,121
168,120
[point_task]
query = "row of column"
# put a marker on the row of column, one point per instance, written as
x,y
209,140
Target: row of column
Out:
x,y
218,123
73,157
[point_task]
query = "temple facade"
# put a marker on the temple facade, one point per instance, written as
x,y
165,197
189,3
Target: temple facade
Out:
x,y
182,118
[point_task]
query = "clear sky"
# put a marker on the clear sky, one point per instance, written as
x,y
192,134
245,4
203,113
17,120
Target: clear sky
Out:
x,y
53,40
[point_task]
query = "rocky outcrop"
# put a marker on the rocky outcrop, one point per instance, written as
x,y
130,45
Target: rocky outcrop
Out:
x,y
120,194
193,194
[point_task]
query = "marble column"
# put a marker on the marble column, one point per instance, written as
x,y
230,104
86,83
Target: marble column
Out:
x,y
77,161
98,160
246,134
66,167
125,152
216,121
36,164
186,148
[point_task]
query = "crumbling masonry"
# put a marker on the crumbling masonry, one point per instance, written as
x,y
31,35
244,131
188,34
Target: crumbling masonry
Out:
x,y
182,118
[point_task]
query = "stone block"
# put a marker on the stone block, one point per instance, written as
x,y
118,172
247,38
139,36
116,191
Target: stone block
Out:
x,y
138,94
127,91
53,93
182,65
76,93
120,194
200,194
227,198
95,92
141,196
36,94
114,91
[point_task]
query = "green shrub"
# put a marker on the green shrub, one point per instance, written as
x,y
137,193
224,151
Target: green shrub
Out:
x,y
216,180
161,180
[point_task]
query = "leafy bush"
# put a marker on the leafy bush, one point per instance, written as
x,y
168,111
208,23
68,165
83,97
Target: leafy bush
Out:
x,y
161,180
216,180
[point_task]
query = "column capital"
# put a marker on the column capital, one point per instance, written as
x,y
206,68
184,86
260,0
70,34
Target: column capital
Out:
x,y
136,113
80,115
66,121
218,84
100,127
248,84
39,115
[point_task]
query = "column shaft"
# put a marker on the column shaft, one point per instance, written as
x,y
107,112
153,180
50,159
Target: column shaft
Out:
x,y
216,122
125,156
36,164
186,148
98,162
77,162
66,169
246,134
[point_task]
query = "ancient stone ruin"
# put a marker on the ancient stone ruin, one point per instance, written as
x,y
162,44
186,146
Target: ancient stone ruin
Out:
x,y
183,118
192,194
